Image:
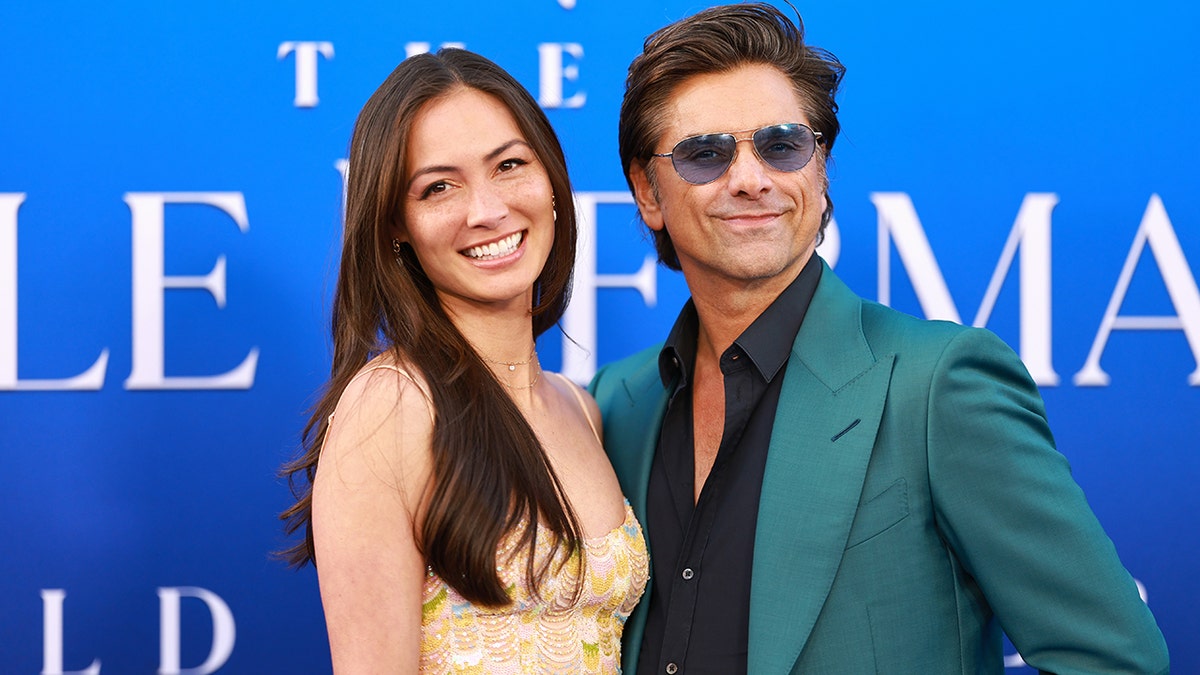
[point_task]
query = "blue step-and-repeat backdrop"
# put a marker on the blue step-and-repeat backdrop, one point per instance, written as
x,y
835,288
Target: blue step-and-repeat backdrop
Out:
x,y
170,194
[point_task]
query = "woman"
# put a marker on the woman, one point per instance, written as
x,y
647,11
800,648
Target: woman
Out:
x,y
458,503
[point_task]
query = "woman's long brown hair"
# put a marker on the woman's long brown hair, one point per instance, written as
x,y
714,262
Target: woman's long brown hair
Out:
x,y
490,473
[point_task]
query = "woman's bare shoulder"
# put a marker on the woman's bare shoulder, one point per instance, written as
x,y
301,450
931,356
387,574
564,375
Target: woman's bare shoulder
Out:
x,y
380,432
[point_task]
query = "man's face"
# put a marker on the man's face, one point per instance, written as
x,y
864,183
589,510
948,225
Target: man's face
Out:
x,y
754,226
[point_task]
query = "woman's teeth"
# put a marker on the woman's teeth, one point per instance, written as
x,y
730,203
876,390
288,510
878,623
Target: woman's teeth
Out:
x,y
495,249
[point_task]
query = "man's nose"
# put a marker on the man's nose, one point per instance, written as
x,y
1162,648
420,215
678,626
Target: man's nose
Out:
x,y
748,173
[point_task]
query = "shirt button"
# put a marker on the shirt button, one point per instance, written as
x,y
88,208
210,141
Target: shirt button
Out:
x,y
688,573
672,669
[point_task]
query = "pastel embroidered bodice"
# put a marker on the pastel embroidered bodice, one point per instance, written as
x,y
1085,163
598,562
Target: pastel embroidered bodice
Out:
x,y
540,635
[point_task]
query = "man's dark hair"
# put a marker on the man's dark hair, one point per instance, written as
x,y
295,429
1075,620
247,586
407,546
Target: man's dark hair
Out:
x,y
719,40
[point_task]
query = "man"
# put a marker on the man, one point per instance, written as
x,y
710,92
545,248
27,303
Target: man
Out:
x,y
828,485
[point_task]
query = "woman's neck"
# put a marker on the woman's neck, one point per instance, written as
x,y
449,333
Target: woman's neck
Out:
x,y
503,339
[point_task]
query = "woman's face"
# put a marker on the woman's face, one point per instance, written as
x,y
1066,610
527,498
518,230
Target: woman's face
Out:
x,y
478,206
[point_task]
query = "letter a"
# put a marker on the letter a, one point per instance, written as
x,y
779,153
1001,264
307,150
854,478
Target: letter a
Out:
x,y
1157,231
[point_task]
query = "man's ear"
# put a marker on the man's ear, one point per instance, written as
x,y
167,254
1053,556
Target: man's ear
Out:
x,y
644,196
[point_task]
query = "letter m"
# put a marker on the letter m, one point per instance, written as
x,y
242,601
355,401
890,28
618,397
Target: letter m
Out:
x,y
1030,233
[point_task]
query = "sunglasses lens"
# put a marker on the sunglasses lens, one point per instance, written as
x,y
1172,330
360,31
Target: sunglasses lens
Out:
x,y
786,147
702,159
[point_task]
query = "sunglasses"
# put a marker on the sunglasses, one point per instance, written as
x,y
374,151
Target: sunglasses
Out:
x,y
705,158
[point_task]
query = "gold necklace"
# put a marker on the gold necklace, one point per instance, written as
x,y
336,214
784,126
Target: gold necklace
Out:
x,y
512,367
531,385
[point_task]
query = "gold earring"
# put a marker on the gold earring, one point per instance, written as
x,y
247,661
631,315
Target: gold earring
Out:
x,y
396,246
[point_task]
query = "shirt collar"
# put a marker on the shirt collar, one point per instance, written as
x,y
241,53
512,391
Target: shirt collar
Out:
x,y
767,341
679,351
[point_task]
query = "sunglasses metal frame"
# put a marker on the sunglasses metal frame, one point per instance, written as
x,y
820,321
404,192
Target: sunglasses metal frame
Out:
x,y
817,140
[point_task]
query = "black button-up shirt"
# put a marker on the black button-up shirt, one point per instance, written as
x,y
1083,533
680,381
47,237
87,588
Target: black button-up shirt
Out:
x,y
699,611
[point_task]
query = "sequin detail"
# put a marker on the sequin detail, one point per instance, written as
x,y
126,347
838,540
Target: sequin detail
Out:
x,y
548,635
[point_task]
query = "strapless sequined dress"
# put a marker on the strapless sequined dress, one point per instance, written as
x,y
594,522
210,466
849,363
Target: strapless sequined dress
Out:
x,y
549,634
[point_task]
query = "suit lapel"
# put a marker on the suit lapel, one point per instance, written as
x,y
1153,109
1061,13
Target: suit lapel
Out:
x,y
825,427
633,443
631,447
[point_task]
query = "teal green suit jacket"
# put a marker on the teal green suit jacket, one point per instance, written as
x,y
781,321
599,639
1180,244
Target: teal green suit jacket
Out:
x,y
913,506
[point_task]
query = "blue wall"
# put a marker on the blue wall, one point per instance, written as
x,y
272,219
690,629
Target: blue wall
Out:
x,y
121,121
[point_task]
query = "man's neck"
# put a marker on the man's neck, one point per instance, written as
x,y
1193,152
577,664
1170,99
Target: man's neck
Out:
x,y
726,309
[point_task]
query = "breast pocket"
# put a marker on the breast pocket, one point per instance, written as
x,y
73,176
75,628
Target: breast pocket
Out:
x,y
880,513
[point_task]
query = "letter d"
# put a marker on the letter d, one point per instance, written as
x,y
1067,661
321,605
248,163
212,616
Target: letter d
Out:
x,y
223,631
